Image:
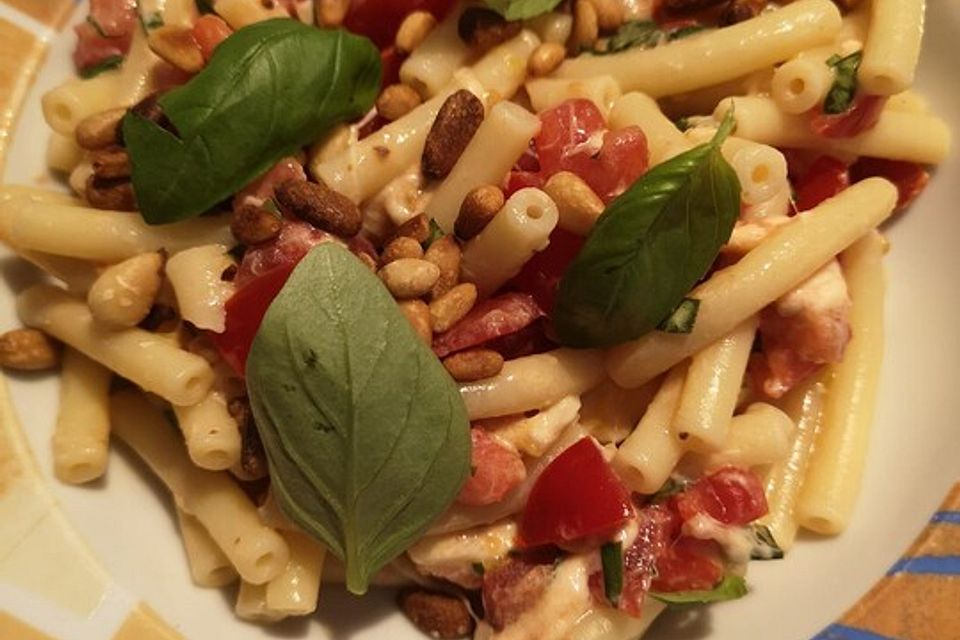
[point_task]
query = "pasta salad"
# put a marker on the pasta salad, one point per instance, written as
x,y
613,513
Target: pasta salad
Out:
x,y
554,314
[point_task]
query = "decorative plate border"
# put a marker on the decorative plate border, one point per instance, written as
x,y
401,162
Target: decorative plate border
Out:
x,y
918,599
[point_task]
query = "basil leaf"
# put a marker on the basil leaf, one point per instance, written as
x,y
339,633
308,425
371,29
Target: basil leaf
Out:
x,y
611,559
522,9
671,487
649,248
685,32
730,588
637,33
436,232
365,432
844,87
108,63
269,89
765,546
683,317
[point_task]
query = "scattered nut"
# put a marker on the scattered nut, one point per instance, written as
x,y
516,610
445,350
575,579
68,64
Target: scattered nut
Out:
x,y
418,314
396,101
446,254
28,350
417,227
402,247
477,210
176,45
253,225
253,459
321,206
451,307
741,10
546,58
409,278
111,162
609,14
483,29
414,30
100,129
457,121
586,27
330,13
475,364
115,194
123,295
439,615
368,261
578,205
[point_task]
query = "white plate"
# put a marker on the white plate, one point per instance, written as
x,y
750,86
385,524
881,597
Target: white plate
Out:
x,y
128,521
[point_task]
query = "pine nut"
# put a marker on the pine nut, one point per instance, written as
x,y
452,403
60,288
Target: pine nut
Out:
x,y
409,277
100,129
330,13
438,615
253,225
124,293
456,122
418,314
477,210
177,46
396,101
111,162
483,29
400,248
417,227
609,14
451,307
546,58
446,255
321,206
578,206
586,27
115,194
414,30
475,364
28,350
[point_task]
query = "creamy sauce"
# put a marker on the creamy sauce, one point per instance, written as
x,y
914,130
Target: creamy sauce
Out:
x,y
453,556
565,601
737,543
824,291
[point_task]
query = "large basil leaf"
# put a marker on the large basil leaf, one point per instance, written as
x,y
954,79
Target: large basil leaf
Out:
x,y
730,588
522,9
269,89
649,248
365,432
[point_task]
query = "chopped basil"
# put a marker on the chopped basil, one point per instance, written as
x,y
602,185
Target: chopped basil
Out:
x,y
106,64
765,546
671,487
844,87
611,558
522,9
435,234
683,317
682,123
685,32
637,33
730,588
96,27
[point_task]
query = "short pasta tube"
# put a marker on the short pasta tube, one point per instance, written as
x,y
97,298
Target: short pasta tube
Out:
x,y
196,277
892,47
801,84
63,153
82,432
546,93
663,138
429,67
209,567
296,590
534,435
610,413
759,436
211,434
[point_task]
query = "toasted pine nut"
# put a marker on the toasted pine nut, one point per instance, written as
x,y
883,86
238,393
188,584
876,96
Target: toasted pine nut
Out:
x,y
124,293
438,615
28,350
115,194
451,307
418,314
414,30
546,58
578,206
477,210
396,101
100,129
609,14
177,46
483,29
253,225
111,162
586,26
458,119
400,248
475,364
417,227
321,206
446,254
409,277
330,13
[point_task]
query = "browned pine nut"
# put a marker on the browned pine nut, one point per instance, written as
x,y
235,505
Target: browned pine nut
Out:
x,y
330,13
417,227
414,30
176,45
439,615
578,206
368,261
483,28
321,206
446,255
28,350
409,277
609,14
475,364
477,210
402,247
100,129
418,314
115,194
450,308
546,58
111,162
253,459
396,101
253,225
586,27
457,121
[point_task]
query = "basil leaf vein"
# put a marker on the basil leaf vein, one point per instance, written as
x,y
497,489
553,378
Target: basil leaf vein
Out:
x,y
366,435
730,588
522,9
649,248
270,88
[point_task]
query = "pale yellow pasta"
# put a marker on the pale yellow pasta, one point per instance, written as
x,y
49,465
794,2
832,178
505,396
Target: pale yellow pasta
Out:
x,y
209,567
893,46
503,70
663,138
77,180
646,458
77,275
909,102
761,170
520,229
898,135
759,436
533,435
711,58
82,432
296,590
251,604
144,358
196,277
258,552
181,13
452,556
63,153
801,84
607,623
609,412
836,467
546,93
430,67
533,382
787,257
712,388
564,601
502,138
240,13
552,27
211,434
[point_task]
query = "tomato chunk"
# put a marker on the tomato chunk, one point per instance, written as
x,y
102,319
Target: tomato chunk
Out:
x,y
567,136
730,495
862,115
826,177
493,318
689,564
911,178
380,19
209,31
514,587
577,496
658,526
495,470
541,275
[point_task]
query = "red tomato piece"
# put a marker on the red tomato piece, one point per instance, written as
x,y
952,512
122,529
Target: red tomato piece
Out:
x,y
390,61
114,17
92,48
911,178
577,496
261,189
495,470
689,564
514,587
209,31
658,526
624,157
493,318
862,115
730,495
541,275
380,19
566,137
295,240
825,178
517,180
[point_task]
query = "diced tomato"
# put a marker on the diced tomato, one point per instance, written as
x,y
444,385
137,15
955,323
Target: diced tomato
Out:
x,y
114,17
517,180
730,495
911,178
493,318
862,115
566,136
261,189
541,275
107,32
390,61
166,76
577,496
380,19
624,157
209,31
295,240
529,340
495,470
658,526
825,178
514,587
689,564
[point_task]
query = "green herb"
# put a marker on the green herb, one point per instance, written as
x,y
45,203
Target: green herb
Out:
x,y
670,488
765,546
269,89
649,248
522,9
682,123
683,317
637,33
730,588
365,432
844,87
96,27
611,558
685,32
106,64
478,568
436,232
